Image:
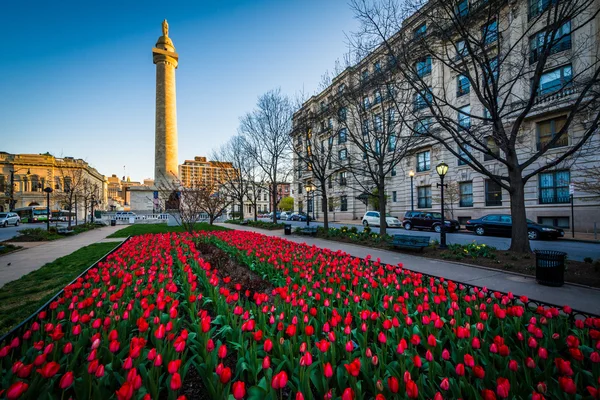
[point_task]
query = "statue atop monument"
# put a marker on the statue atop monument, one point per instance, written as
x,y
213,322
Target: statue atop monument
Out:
x,y
165,28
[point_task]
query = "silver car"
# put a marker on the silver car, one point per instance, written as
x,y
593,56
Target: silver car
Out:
x,y
9,218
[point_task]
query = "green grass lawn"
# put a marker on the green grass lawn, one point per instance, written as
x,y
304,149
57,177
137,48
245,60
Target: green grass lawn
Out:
x,y
142,229
21,298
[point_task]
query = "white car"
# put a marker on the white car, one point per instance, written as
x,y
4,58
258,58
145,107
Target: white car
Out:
x,y
9,218
285,215
371,218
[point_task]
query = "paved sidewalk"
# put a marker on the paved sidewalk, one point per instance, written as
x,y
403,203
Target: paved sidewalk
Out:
x,y
15,265
578,297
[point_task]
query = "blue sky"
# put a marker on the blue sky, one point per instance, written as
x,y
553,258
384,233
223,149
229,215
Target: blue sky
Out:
x,y
78,79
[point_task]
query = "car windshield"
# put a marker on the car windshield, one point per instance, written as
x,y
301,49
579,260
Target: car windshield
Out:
x,y
3,215
436,215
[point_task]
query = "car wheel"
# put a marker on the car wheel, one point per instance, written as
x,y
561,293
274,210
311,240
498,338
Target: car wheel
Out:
x,y
5,224
437,228
480,231
365,223
532,234
408,226
17,223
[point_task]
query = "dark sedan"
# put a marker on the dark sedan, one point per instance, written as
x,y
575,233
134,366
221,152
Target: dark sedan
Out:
x,y
299,216
501,224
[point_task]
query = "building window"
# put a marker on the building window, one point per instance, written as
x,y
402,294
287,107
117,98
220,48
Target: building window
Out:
x,y
423,161
341,88
422,99
463,156
493,149
462,8
423,125
366,103
466,194
536,7
299,142
342,154
2,183
394,196
299,189
423,66
461,49
493,193
560,222
555,80
561,42
365,127
377,146
377,97
391,120
547,130
377,123
420,31
343,203
330,204
329,182
342,114
330,123
342,136
392,143
463,86
364,75
464,117
393,171
424,196
377,66
391,61
489,32
343,178
554,187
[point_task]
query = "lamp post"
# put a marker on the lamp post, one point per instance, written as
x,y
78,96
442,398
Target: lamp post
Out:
x,y
412,197
48,190
442,170
308,188
92,205
11,205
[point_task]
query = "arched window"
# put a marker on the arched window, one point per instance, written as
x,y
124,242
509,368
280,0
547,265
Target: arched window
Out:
x,y
35,183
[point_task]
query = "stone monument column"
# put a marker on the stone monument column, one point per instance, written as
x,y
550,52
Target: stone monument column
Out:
x,y
165,156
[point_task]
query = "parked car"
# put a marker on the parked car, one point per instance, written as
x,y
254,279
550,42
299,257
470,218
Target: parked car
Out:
x,y
428,220
9,218
501,224
299,216
277,215
285,215
372,218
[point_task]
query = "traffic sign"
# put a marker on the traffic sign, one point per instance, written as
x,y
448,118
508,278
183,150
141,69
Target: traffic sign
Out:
x,y
571,189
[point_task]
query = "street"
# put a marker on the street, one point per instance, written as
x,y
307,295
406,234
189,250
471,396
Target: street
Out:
x,y
10,231
575,250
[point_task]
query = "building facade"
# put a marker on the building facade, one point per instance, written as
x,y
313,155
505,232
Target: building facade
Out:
x,y
412,183
201,172
23,178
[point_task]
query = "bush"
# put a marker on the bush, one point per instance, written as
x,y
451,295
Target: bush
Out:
x,y
588,260
36,235
473,250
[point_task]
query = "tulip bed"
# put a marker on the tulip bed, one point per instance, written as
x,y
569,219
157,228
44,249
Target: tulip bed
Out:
x,y
328,326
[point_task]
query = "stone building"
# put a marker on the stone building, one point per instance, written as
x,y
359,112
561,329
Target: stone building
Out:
x,y
30,174
200,171
413,181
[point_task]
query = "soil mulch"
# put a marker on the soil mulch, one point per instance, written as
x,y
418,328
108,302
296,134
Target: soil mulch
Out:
x,y
575,272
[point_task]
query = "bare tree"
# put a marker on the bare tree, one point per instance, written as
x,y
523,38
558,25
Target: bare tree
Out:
x,y
73,184
451,197
370,139
235,182
266,131
589,182
496,66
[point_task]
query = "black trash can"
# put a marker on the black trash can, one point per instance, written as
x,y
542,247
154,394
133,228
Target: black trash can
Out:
x,y
113,222
550,267
287,229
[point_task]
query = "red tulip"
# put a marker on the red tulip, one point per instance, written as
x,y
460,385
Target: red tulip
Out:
x,y
225,375
354,367
412,390
513,365
222,352
393,384
279,381
49,370
266,364
567,385
175,381
299,396
469,361
479,372
16,390
268,346
348,394
66,380
238,390
445,384
460,369
327,370
502,387
173,366
488,394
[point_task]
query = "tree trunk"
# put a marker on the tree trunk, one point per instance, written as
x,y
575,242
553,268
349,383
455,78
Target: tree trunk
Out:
x,y
324,207
519,237
274,197
382,224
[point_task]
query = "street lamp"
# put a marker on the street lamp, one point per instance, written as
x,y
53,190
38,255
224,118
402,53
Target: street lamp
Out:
x,y
442,170
412,197
11,205
48,190
309,188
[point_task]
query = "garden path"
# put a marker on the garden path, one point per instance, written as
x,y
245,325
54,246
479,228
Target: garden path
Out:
x,y
15,265
578,297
